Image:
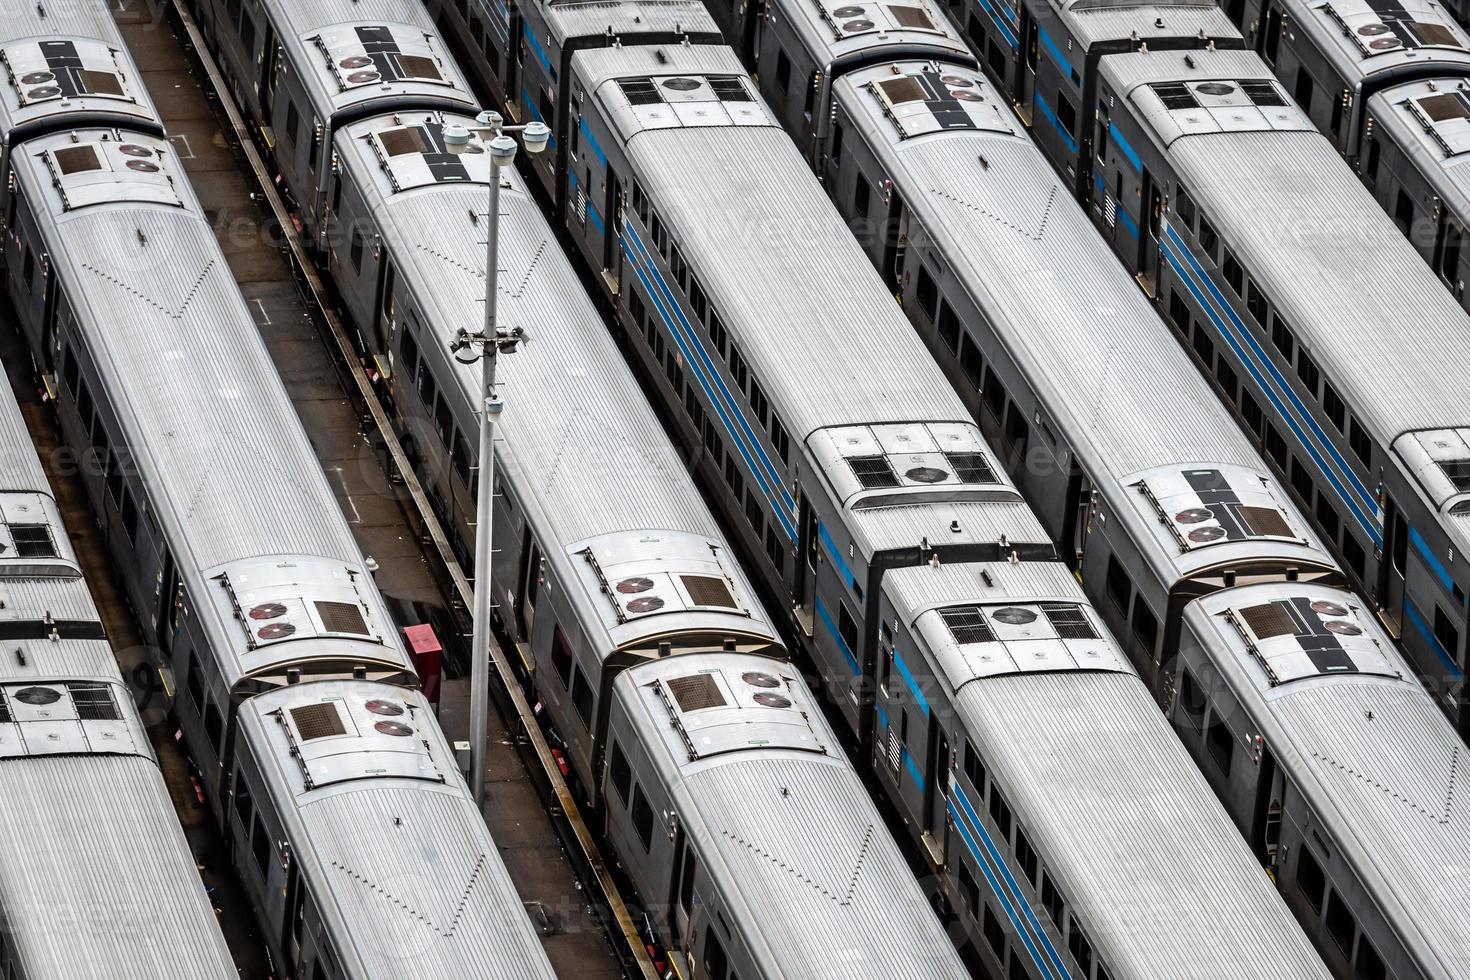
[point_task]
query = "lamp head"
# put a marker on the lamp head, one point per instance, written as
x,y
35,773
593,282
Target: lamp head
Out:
x,y
502,150
456,138
536,135
490,119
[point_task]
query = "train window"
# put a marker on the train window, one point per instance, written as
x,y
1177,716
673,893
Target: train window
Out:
x,y
1352,554
1307,370
1250,410
847,627
1370,964
1179,312
974,768
114,480
655,229
712,440
698,302
1203,345
1333,405
1017,427
738,370
994,394
780,439
679,266
1120,589
674,371
994,57
582,697
620,774
84,405
640,203
247,33
1051,897
214,728
1301,479
1208,239
1225,374
733,477
636,309
927,293
1191,703
717,332
293,123
775,550
443,422
1257,304
546,106
1446,634
129,517
1183,207
1275,445
408,354
358,243
753,511
1303,90
835,155
69,371
692,408
969,889
975,29
948,325
561,656
1234,274
1066,113
461,459
1026,856
242,800
642,815
759,405
783,71
1451,235
1326,516
28,268
861,196
995,935
260,847
1359,441
1374,153
193,683
1077,942
1310,880
1145,626
1000,812
1018,966
1340,925
716,963
1220,743
1403,211
970,361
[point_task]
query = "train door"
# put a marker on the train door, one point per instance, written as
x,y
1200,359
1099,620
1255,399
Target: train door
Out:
x,y
683,903
292,926
806,569
934,785
612,222
165,617
50,319
270,73
752,12
387,306
1265,827
1391,571
1268,41
528,585
1077,519
1026,72
895,232
1148,233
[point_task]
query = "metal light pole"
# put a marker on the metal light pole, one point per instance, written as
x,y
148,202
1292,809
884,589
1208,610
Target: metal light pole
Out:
x,y
484,346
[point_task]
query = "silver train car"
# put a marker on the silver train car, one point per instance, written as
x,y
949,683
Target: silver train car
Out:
x,y
84,801
239,565
1272,248
1021,303
350,785
874,500
611,559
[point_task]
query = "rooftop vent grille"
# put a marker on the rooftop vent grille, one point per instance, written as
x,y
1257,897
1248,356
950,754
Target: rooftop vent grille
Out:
x,y
1263,94
873,472
341,617
1265,521
1175,95
94,702
971,467
1268,619
640,91
318,721
1069,621
76,159
398,142
706,590
729,89
912,17
5,716
1458,472
967,625
696,692
33,541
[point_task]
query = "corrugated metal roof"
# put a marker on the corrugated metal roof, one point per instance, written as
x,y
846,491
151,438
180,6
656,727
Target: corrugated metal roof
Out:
x,y
806,870
20,467
1094,24
583,19
402,869
1122,817
1380,766
92,841
1426,33
1444,165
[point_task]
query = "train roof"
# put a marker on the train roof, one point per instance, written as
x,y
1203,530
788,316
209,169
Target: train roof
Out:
x,y
1094,22
209,424
1365,39
364,51
1088,341
784,825
1364,743
65,62
1429,121
96,843
1090,768
1328,258
586,450
392,846
843,369
845,31
570,19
